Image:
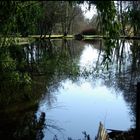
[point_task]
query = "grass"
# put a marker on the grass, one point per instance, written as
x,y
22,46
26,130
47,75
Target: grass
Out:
x,y
24,40
52,36
31,38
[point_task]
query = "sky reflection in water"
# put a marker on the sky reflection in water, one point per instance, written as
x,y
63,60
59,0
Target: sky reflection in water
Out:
x,y
80,106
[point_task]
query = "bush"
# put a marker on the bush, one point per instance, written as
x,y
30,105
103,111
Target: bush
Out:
x,y
90,31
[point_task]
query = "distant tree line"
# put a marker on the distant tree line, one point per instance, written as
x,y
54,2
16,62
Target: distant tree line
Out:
x,y
40,17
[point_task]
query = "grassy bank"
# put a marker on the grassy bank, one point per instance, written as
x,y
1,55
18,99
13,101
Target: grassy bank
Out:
x,y
31,38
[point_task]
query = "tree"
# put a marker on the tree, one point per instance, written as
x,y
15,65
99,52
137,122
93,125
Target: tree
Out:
x,y
14,14
49,17
134,10
18,17
28,13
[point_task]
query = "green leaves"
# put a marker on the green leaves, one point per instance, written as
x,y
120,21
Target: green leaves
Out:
x,y
19,16
7,63
26,79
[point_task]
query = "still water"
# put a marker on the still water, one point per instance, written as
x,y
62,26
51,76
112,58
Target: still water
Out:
x,y
73,89
78,105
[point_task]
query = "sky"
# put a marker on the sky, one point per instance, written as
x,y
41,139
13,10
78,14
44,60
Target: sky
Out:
x,y
88,13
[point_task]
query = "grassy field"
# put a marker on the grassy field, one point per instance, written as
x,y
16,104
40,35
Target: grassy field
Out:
x,y
31,38
52,36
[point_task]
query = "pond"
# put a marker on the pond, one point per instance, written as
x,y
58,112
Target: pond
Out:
x,y
76,90
79,105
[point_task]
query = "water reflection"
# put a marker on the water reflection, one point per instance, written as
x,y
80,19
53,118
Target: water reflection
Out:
x,y
83,106
88,58
86,102
21,124
72,91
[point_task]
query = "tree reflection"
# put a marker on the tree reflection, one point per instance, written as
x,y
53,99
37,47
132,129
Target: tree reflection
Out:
x,y
124,71
21,125
56,63
49,58
52,61
48,63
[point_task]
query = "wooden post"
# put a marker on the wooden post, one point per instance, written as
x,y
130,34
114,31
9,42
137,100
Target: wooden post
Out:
x,y
102,133
137,112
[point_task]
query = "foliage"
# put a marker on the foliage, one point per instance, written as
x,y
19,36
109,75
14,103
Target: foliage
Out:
x,y
31,127
16,18
134,18
27,16
63,64
48,17
7,9
13,75
22,125
109,26
90,31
